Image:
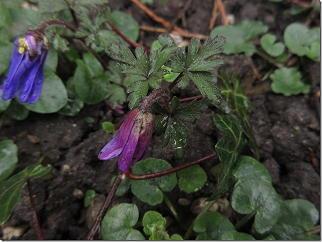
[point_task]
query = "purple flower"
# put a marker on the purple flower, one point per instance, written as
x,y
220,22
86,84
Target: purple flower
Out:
x,y
25,75
131,140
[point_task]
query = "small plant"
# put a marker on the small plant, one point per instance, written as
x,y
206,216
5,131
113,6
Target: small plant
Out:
x,y
144,85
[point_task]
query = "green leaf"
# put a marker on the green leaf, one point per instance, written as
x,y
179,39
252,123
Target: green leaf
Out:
x,y
270,46
116,94
17,111
127,24
205,82
3,104
108,127
60,43
254,193
234,235
91,87
191,179
89,197
298,216
72,107
301,40
10,190
287,81
119,221
8,158
239,37
52,6
228,148
123,187
211,226
94,67
154,225
137,91
52,60
5,52
53,96
151,191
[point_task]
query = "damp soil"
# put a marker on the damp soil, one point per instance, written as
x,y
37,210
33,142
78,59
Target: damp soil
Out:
x,y
286,130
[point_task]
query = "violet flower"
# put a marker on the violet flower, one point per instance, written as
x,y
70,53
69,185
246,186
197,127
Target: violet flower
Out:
x,y
25,75
131,140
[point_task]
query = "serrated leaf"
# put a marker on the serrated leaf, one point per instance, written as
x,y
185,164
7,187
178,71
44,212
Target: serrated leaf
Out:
x,y
287,81
270,46
52,6
205,82
138,90
119,221
298,216
53,96
8,158
151,191
116,94
191,179
10,189
255,194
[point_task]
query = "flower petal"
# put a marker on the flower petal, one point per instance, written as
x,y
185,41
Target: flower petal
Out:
x,y
111,149
19,64
30,91
126,158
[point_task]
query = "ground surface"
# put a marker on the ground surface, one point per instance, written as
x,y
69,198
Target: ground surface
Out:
x,y
286,130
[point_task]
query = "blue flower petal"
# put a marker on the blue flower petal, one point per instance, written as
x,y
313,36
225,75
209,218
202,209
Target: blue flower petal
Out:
x,y
30,91
18,65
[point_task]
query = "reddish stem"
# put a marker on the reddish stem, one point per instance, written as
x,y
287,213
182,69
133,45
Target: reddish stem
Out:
x,y
168,171
42,27
188,99
123,36
35,221
107,202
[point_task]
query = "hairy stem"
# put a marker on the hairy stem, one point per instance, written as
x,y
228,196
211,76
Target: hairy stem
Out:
x,y
52,22
107,202
168,171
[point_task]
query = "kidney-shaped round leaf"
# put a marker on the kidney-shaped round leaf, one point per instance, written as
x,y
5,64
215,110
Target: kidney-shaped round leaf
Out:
x,y
270,46
211,226
53,96
287,81
8,158
119,221
192,179
151,191
298,216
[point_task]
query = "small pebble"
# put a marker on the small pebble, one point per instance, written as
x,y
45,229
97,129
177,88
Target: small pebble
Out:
x,y
77,193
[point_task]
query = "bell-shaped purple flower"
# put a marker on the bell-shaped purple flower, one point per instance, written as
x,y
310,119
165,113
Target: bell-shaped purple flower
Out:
x,y
25,75
131,140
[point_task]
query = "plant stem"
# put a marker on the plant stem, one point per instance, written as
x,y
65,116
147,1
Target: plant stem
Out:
x,y
35,221
269,59
123,36
44,25
168,171
167,24
107,202
171,207
188,99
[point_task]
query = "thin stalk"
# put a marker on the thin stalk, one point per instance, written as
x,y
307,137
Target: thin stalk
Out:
x,y
168,171
35,220
52,22
171,207
104,207
269,59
